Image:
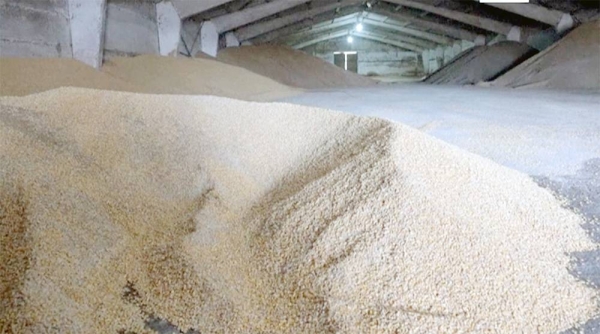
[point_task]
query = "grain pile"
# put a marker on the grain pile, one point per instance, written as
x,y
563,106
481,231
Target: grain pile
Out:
x,y
237,217
572,63
481,63
291,67
169,75
24,76
145,74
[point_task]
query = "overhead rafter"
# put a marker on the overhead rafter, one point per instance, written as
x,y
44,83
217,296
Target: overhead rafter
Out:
x,y
400,44
329,25
440,28
306,23
559,20
409,31
385,22
364,34
260,28
240,18
187,8
473,20
321,38
349,25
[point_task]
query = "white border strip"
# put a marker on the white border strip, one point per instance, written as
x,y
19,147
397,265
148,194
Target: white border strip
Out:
x,y
504,1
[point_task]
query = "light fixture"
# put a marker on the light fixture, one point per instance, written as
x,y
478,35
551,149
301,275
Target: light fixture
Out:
x,y
359,27
350,39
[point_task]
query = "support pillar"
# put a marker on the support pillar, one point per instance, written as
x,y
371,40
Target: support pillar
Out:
x,y
231,40
457,46
466,45
448,54
87,19
169,28
425,57
209,38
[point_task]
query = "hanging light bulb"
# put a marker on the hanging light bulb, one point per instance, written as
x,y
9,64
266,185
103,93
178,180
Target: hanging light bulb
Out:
x,y
350,39
359,27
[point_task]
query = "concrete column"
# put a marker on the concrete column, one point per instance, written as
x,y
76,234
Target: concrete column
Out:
x,y
425,57
439,56
169,28
559,20
448,54
257,29
88,19
480,40
187,8
466,45
241,18
209,39
231,40
457,46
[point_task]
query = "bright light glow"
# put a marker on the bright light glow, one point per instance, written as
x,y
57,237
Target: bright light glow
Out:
x,y
359,27
350,39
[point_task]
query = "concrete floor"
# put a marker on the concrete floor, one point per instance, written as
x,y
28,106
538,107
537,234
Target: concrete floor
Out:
x,y
552,136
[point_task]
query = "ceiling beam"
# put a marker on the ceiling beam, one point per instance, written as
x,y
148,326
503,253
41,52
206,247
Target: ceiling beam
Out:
x,y
295,27
440,28
392,35
237,19
472,20
349,26
383,39
187,8
423,38
325,26
320,38
512,33
364,34
559,20
258,29
437,39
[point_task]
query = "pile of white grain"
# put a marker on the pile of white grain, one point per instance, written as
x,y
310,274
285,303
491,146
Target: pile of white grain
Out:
x,y
291,67
481,64
144,74
572,63
239,217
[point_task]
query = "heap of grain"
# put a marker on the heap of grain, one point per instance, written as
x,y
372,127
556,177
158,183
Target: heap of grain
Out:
x,y
146,74
239,217
481,63
291,67
24,76
572,63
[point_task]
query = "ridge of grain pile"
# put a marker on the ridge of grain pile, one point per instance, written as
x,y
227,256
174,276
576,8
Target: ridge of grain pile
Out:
x,y
143,74
572,63
291,67
241,217
481,63
24,76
